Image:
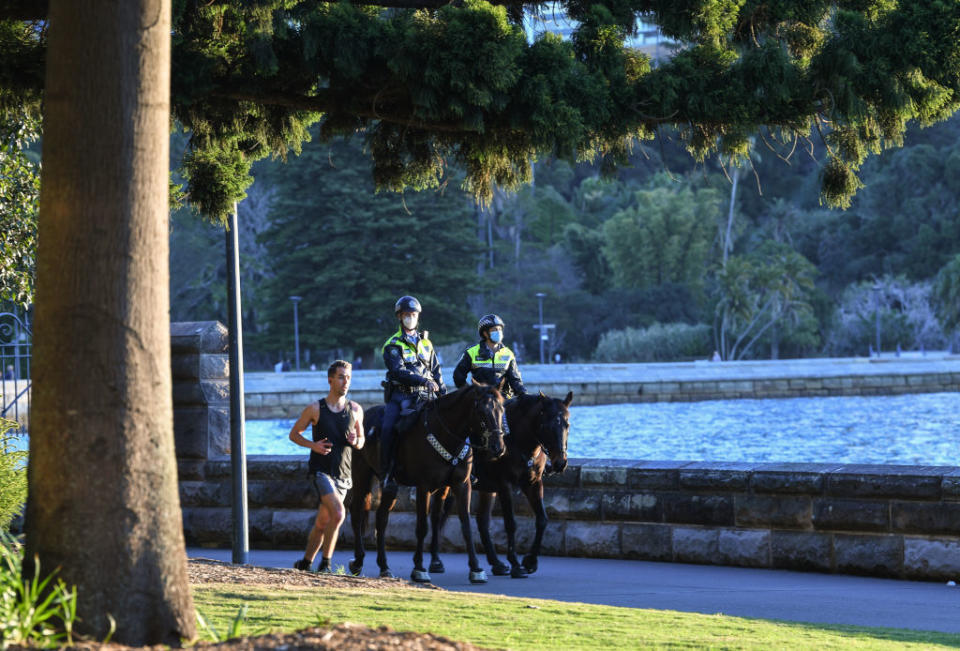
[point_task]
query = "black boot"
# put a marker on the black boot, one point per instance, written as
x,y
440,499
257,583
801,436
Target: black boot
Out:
x,y
389,483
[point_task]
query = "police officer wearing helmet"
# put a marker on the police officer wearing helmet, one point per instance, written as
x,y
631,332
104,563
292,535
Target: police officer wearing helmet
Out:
x,y
413,375
489,361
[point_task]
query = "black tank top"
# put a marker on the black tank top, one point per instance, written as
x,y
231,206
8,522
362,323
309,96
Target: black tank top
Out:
x,y
333,426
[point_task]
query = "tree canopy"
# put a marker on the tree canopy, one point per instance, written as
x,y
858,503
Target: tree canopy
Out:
x,y
432,83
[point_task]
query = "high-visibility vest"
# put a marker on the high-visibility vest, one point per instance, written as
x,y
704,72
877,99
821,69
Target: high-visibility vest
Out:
x,y
498,361
420,354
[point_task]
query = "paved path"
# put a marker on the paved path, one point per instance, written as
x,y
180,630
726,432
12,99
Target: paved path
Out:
x,y
767,594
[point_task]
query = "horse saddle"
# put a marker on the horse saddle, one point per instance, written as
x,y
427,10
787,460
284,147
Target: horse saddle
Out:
x,y
408,416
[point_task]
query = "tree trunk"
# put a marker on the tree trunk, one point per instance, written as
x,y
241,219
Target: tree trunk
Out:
x,y
103,503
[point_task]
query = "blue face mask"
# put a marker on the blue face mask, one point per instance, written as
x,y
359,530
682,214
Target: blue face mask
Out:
x,y
496,336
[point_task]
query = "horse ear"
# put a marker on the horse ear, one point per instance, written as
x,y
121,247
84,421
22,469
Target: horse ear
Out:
x,y
568,399
542,394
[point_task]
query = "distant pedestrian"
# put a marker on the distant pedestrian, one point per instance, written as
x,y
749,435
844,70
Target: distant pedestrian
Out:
x,y
337,430
8,374
278,367
286,365
716,357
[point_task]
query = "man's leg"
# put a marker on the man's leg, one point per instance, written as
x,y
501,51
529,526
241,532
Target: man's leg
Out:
x,y
333,506
321,484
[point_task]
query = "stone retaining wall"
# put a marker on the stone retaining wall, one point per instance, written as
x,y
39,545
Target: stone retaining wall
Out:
x,y
900,521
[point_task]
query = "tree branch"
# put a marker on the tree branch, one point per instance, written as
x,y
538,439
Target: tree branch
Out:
x,y
24,10
325,101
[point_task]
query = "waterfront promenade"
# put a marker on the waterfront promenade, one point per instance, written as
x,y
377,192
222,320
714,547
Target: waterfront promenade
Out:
x,y
283,395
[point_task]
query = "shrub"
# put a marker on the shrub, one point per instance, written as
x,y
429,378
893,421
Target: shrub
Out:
x,y
33,611
657,343
13,475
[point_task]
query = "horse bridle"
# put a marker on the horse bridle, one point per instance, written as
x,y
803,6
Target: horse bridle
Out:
x,y
468,438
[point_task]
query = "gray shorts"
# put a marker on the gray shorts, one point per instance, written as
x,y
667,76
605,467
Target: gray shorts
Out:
x,y
324,484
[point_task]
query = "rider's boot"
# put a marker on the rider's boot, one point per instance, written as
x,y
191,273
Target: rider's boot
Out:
x,y
388,462
389,483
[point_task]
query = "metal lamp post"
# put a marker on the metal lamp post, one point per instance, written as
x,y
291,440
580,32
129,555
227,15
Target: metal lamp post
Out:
x,y
876,300
543,333
296,330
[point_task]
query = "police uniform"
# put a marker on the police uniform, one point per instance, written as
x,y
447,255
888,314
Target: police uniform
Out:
x,y
411,362
490,367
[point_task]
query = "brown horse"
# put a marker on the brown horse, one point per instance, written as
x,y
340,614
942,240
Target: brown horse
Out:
x,y
538,428
434,454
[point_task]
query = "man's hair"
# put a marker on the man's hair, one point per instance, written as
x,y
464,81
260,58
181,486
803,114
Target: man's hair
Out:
x,y
340,363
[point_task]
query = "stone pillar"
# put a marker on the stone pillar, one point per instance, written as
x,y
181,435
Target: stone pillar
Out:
x,y
201,394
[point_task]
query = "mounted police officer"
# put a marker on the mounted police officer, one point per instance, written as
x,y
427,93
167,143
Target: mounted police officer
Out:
x,y
413,375
490,361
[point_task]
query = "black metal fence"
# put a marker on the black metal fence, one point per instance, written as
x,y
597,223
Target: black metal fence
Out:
x,y
15,351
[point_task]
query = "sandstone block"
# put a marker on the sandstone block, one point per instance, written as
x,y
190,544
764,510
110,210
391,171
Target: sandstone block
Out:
x,y
874,555
847,514
926,517
592,539
786,512
698,509
651,542
801,550
743,547
931,559
696,545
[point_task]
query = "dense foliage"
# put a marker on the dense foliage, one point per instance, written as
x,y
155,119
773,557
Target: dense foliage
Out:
x,y
19,200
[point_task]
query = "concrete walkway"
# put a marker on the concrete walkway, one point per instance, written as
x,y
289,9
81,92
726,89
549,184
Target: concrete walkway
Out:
x,y
756,593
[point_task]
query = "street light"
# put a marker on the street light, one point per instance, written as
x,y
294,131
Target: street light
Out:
x,y
876,300
543,333
296,329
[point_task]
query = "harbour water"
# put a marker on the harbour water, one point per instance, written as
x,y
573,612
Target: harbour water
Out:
x,y
922,429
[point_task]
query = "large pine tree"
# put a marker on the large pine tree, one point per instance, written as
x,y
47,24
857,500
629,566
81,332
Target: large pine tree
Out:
x,y
350,252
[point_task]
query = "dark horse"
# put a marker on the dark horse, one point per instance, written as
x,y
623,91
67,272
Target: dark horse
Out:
x,y
434,454
538,428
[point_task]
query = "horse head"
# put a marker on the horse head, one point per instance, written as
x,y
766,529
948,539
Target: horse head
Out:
x,y
488,407
554,425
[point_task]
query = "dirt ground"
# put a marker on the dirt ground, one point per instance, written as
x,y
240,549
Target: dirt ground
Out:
x,y
343,637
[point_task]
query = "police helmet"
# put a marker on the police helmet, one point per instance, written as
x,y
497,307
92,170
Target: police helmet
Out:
x,y
488,321
407,304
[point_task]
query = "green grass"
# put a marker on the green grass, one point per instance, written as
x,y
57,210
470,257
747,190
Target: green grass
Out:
x,y
514,623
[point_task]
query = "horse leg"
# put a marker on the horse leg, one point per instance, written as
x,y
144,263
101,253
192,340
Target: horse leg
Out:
x,y
439,512
359,514
387,499
510,526
420,575
484,507
477,575
535,497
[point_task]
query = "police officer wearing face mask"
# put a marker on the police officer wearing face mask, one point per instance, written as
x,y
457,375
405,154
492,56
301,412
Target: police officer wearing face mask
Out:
x,y
490,361
413,375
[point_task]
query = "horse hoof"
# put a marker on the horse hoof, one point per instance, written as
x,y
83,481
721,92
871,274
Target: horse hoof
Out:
x,y
437,567
355,568
478,577
518,572
530,564
419,576
386,574
500,569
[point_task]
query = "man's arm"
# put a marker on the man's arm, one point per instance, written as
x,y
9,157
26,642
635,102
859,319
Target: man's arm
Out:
x,y
513,378
397,372
308,418
437,374
355,436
